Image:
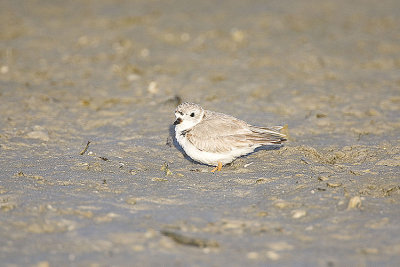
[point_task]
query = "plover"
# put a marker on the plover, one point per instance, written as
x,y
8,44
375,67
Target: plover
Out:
x,y
217,139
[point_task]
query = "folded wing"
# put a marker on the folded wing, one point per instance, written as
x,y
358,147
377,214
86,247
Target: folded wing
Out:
x,y
219,133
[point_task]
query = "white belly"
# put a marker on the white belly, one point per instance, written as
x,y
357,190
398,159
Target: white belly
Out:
x,y
210,158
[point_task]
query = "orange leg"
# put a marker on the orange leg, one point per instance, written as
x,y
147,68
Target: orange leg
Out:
x,y
218,168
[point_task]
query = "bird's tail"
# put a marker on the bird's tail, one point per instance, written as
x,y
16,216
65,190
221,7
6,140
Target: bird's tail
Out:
x,y
270,134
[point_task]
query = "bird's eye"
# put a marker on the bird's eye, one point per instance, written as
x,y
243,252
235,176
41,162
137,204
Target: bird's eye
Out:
x,y
192,114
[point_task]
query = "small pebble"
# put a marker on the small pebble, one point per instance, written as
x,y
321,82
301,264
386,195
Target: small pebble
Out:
x,y
237,35
152,88
252,255
354,202
4,69
39,133
296,214
272,255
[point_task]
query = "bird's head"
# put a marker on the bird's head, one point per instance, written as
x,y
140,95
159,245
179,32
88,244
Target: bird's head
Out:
x,y
187,116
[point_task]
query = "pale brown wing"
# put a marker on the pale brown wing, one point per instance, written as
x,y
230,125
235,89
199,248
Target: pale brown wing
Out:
x,y
220,133
269,134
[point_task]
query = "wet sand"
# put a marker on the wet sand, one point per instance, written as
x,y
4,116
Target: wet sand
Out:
x,y
112,73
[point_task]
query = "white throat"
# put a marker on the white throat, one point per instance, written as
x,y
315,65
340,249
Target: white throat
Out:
x,y
185,125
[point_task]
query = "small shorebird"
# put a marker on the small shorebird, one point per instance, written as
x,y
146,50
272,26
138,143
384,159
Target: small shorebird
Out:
x,y
217,139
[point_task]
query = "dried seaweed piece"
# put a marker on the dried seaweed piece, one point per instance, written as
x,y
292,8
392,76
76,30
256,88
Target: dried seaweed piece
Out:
x,y
190,241
85,149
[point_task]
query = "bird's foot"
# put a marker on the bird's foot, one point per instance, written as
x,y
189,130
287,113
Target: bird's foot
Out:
x,y
218,168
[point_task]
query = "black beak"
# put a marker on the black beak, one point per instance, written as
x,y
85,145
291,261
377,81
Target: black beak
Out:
x,y
178,120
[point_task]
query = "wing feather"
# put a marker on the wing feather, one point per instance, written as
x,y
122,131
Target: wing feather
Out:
x,y
219,133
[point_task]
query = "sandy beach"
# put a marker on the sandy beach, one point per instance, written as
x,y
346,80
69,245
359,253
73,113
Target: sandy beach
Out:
x,y
90,174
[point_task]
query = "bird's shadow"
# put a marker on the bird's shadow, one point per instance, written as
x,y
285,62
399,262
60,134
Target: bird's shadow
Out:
x,y
267,147
176,144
